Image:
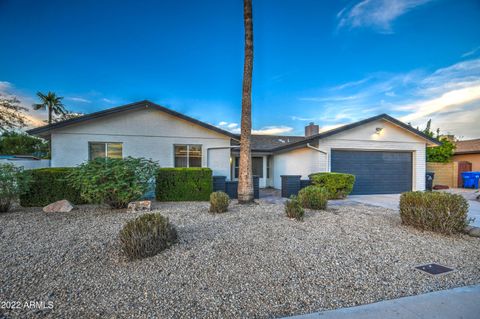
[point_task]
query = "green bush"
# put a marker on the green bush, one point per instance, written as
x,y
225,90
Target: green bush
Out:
x,y
114,181
48,185
338,185
219,202
146,236
313,197
13,183
294,209
184,184
436,211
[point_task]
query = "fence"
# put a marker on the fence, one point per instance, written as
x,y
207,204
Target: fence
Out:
x,y
27,163
445,173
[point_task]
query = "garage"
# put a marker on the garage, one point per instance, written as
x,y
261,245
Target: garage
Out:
x,y
376,172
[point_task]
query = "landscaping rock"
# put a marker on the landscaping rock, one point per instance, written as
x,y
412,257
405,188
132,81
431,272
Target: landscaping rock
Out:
x,y
61,206
140,206
474,232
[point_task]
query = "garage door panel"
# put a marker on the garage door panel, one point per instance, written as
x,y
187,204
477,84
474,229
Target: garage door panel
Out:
x,y
375,172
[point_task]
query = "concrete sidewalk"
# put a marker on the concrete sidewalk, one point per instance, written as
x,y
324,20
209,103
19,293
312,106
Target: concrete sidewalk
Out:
x,y
463,302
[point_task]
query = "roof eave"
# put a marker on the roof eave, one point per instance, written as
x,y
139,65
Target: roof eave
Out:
x,y
45,130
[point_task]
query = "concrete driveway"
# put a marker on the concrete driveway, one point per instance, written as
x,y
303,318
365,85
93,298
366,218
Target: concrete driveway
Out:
x,y
391,201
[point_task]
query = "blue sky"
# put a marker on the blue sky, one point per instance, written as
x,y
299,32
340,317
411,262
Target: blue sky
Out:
x,y
331,62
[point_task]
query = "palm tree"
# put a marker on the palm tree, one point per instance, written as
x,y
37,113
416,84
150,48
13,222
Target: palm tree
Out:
x,y
52,103
245,182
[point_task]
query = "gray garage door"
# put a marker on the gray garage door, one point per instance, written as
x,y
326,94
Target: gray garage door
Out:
x,y
375,172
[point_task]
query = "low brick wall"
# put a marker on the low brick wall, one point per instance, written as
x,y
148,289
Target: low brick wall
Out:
x,y
445,173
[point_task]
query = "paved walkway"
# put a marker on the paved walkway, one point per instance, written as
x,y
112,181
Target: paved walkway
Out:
x,y
463,302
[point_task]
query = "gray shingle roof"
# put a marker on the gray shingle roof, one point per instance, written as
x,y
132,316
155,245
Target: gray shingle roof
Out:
x,y
265,143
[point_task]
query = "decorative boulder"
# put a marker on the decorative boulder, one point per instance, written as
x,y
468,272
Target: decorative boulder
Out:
x,y
61,206
140,206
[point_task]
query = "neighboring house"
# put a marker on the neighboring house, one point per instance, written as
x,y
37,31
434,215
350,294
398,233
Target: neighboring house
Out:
x,y
468,151
386,155
25,161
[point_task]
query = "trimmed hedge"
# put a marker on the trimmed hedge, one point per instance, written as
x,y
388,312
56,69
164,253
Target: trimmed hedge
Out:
x,y
184,184
338,185
48,185
436,211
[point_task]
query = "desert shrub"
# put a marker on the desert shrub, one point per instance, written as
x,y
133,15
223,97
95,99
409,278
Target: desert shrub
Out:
x,y
293,208
114,181
13,183
435,211
48,185
313,197
338,185
219,202
184,184
146,236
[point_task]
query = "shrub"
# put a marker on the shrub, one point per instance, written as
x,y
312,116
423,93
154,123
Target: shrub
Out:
x,y
435,211
313,197
338,185
13,183
184,184
219,202
114,181
48,185
146,236
293,209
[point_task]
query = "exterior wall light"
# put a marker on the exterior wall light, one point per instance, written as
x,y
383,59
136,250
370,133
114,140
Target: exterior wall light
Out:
x,y
378,130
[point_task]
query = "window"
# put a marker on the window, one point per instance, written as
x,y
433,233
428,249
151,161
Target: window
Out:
x,y
188,155
257,166
104,150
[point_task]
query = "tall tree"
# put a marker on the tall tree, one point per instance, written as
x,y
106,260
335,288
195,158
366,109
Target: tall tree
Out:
x,y
245,181
11,113
52,103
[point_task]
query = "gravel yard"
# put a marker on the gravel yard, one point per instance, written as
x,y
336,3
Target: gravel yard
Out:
x,y
249,262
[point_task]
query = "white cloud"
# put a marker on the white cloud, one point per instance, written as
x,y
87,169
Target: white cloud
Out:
x,y
422,109
5,86
266,130
416,96
107,100
329,98
471,52
273,130
78,99
376,14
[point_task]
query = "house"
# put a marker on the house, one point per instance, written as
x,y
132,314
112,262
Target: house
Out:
x,y
385,155
468,151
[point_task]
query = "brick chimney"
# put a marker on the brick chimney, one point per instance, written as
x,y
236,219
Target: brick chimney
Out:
x,y
311,129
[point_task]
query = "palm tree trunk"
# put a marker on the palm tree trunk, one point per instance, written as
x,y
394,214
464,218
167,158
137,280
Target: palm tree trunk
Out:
x,y
50,114
245,181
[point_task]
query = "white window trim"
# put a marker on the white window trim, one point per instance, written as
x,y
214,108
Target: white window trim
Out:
x,y
188,153
106,148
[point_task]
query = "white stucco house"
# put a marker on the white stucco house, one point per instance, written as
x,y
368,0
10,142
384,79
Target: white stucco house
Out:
x,y
385,155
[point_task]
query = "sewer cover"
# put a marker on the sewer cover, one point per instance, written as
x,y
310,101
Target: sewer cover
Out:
x,y
434,269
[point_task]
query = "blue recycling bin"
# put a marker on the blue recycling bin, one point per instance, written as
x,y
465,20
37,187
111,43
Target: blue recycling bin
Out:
x,y
470,179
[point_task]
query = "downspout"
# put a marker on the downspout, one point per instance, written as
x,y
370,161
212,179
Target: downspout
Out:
x,y
323,152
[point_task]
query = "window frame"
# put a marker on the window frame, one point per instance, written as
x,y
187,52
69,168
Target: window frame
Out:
x,y
188,155
105,149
